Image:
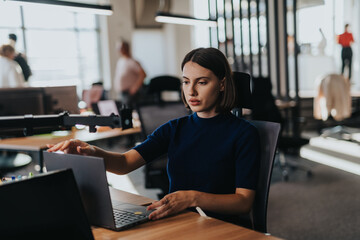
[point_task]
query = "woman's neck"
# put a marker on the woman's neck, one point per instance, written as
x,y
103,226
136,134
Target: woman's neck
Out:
x,y
207,114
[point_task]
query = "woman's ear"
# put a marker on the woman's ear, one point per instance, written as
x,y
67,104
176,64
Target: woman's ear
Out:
x,y
222,85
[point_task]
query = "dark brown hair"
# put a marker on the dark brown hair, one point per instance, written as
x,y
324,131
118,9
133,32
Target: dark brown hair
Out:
x,y
214,60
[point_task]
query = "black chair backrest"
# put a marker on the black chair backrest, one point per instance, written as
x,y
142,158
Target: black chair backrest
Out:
x,y
153,116
164,83
264,107
242,86
269,133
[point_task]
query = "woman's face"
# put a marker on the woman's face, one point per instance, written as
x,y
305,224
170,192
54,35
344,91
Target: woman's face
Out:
x,y
201,89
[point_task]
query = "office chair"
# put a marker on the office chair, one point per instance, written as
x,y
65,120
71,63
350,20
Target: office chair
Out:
x,y
269,133
154,114
160,84
265,109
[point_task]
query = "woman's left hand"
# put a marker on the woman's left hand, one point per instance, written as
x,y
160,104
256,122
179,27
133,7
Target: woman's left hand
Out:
x,y
171,204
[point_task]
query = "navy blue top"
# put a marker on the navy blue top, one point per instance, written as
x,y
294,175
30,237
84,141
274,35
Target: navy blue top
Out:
x,y
212,155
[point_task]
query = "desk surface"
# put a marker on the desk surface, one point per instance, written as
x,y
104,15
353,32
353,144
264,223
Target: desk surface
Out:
x,y
187,225
38,142
340,154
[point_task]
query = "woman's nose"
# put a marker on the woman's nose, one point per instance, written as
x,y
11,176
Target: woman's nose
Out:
x,y
192,90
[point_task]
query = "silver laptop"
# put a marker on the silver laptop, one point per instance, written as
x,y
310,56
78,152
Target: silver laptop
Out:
x,y
90,176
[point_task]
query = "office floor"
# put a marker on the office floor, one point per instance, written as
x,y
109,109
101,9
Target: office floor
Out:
x,y
324,206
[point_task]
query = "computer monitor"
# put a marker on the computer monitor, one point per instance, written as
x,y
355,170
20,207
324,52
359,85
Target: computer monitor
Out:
x,y
60,99
21,101
36,101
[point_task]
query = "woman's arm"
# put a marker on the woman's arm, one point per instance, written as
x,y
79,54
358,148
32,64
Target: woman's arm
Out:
x,y
231,204
118,163
121,163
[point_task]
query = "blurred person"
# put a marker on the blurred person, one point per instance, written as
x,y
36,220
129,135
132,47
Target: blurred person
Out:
x,y
129,76
10,71
345,40
20,58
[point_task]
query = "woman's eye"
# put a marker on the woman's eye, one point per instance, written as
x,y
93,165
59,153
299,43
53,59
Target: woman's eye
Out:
x,y
202,83
185,82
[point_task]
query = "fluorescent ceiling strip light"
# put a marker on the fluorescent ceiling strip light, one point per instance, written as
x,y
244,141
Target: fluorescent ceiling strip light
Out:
x,y
72,6
184,20
330,161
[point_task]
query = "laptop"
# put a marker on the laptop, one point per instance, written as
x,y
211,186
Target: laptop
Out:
x,y
46,206
90,175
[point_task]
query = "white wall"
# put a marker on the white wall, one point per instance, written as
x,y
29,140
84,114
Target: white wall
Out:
x,y
159,50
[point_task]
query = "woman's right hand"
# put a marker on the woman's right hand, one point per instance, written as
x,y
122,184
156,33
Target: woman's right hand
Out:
x,y
73,146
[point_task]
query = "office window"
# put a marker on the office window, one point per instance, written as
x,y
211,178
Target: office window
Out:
x,y
10,17
61,46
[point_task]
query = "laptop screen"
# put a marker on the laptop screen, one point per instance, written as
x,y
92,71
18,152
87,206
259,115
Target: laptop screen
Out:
x,y
46,206
90,176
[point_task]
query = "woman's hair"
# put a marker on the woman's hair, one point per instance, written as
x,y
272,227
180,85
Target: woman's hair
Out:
x,y
6,49
124,47
214,60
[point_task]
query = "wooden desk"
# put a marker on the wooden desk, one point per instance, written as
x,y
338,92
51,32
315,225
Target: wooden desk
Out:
x,y
187,225
38,143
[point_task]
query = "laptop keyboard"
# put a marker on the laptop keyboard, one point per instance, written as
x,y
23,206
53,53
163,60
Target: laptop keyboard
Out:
x,y
124,218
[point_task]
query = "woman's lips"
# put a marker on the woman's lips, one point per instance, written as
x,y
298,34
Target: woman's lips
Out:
x,y
194,102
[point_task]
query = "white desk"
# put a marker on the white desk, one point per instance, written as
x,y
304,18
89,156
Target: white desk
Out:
x,y
340,154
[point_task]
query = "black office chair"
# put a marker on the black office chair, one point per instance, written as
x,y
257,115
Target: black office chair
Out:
x,y
269,133
158,85
265,109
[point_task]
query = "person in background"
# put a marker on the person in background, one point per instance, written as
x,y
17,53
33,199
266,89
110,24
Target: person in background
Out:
x,y
10,71
213,155
20,58
345,40
129,76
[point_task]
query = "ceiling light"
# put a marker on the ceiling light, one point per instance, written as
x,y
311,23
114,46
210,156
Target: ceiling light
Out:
x,y
185,20
72,6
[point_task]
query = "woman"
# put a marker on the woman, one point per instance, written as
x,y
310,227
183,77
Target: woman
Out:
x,y
213,156
10,71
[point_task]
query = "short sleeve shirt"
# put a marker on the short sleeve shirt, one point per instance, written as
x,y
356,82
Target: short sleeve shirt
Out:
x,y
213,155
